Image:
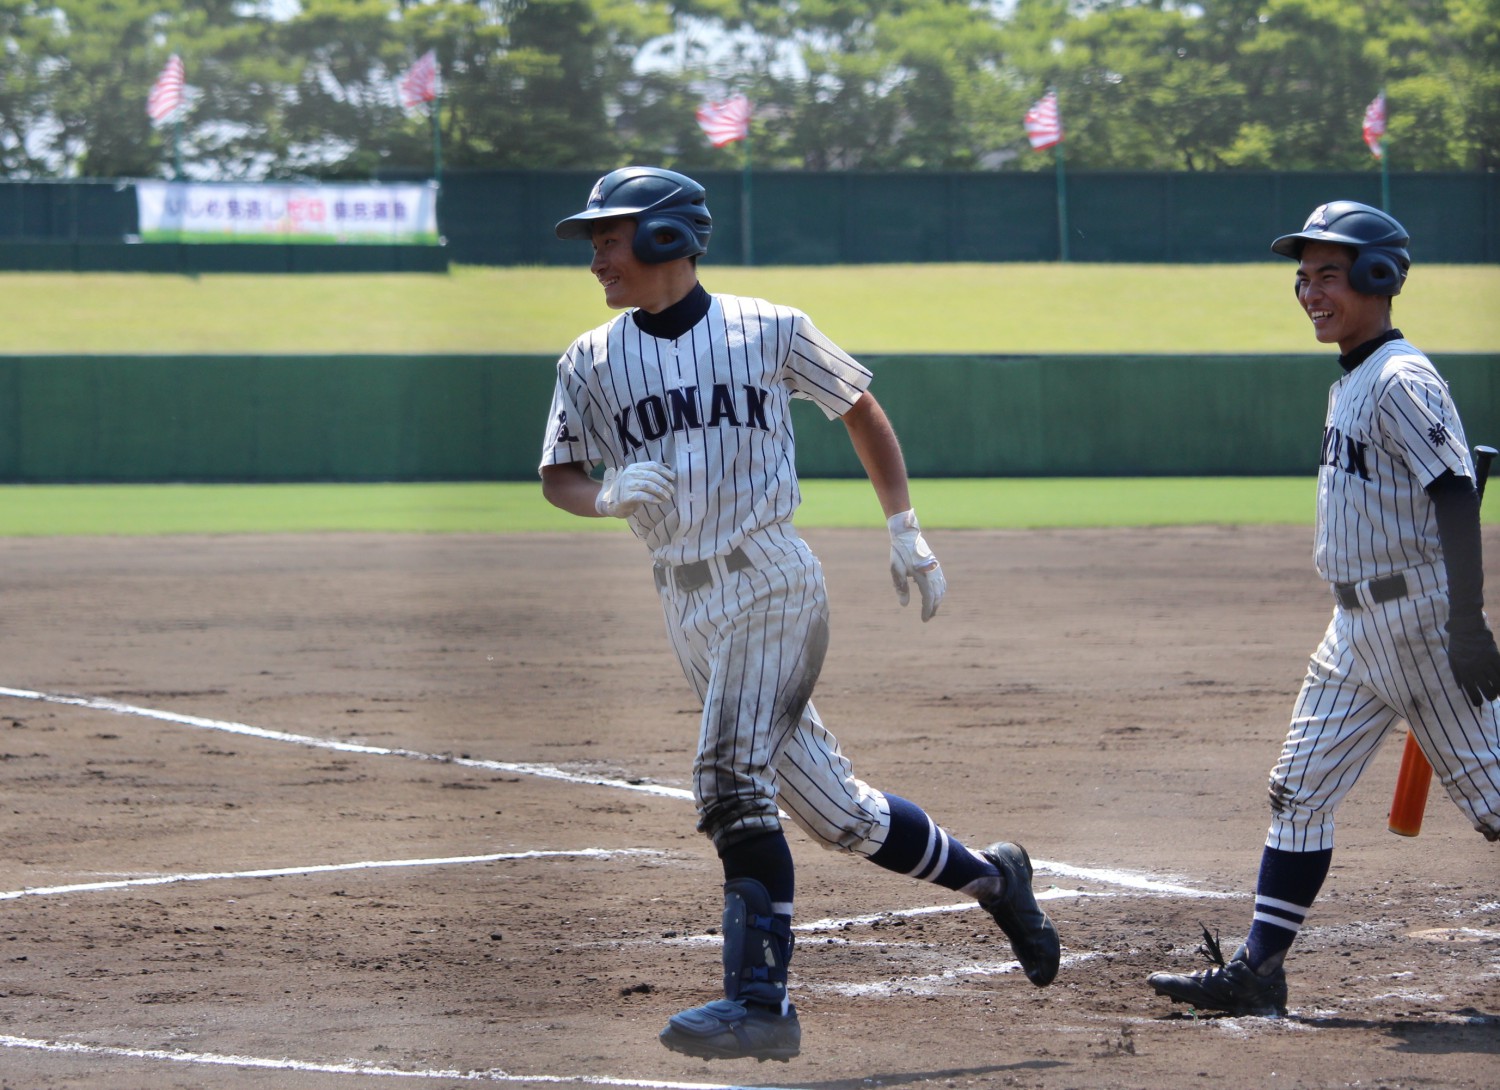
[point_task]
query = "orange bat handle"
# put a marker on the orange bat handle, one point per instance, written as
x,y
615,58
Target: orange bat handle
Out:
x,y
1410,800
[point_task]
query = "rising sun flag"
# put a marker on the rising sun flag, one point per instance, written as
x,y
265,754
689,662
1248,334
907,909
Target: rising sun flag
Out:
x,y
1043,123
166,93
419,83
725,122
1374,125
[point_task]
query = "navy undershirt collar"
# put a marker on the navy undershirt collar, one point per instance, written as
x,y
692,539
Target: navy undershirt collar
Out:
x,y
678,318
1366,350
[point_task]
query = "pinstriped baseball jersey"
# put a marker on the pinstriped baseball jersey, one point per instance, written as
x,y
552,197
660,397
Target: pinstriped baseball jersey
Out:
x,y
1391,430
714,404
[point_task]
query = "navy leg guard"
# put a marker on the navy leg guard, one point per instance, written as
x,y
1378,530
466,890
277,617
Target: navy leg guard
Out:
x,y
754,1020
757,945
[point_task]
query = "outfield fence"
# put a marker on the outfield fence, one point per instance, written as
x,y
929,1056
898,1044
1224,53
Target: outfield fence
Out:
x,y
465,418
505,218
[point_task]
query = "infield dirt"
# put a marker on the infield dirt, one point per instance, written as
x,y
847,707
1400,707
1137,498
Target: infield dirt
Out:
x,y
1111,699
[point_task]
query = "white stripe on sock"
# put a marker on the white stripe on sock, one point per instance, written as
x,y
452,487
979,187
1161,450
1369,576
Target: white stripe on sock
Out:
x,y
1278,921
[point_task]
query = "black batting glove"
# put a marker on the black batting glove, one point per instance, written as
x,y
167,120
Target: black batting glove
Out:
x,y
1475,660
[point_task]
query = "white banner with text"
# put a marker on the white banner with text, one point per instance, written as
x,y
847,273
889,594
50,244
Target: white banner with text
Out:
x,y
287,212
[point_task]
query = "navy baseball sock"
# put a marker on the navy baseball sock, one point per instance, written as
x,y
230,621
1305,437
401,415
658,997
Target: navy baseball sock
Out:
x,y
1284,893
918,846
768,859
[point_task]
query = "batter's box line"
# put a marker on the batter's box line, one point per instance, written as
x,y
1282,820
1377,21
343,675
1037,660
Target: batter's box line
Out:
x,y
949,981
1110,877
320,868
349,1067
1128,879
832,928
228,727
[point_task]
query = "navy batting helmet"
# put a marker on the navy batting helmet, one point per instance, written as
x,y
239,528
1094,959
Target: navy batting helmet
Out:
x,y
670,211
1379,243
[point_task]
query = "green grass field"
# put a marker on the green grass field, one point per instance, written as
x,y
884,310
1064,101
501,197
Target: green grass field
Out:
x,y
1043,308
131,510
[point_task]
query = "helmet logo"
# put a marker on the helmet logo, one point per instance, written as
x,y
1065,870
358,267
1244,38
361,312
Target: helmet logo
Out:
x,y
596,195
1319,217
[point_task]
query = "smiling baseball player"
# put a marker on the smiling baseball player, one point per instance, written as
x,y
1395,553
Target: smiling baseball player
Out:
x,y
685,401
1398,541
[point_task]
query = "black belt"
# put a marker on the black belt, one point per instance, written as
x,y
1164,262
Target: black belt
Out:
x,y
1385,589
698,573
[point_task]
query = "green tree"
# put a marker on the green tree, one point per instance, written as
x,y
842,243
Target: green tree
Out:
x,y
1143,90
532,83
323,102
836,84
27,39
101,62
849,84
1461,81
1309,71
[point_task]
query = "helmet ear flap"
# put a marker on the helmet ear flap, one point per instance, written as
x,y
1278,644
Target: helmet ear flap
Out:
x,y
665,238
1376,272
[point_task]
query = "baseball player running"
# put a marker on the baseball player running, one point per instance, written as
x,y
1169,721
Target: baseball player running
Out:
x,y
1398,541
685,401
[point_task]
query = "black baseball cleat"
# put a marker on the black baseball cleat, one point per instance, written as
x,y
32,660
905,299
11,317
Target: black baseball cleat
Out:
x,y
1032,935
1232,987
728,1029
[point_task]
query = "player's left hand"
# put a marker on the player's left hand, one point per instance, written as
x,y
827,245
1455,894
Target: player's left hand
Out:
x,y
911,559
1475,661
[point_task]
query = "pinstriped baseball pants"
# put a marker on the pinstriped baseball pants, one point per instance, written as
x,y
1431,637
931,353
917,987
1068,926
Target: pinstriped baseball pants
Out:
x,y
752,643
1375,665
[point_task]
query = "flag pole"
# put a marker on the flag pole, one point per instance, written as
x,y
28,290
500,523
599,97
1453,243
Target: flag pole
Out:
x,y
437,142
1385,174
1062,205
747,243
1385,159
177,148
1380,146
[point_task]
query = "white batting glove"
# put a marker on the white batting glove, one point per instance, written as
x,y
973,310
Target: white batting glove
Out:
x,y
626,490
912,559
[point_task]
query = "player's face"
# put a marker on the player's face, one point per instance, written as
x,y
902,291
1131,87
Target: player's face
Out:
x,y
1340,315
627,280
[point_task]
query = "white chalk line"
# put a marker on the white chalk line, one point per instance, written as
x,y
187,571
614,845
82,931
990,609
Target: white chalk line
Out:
x,y
351,1067
936,983
1127,879
317,868
545,771
832,926
1142,883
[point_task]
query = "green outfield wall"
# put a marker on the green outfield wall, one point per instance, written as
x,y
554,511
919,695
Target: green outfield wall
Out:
x,y
795,217
460,418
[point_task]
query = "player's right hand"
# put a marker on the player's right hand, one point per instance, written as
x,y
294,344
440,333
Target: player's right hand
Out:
x,y
628,489
1475,661
911,559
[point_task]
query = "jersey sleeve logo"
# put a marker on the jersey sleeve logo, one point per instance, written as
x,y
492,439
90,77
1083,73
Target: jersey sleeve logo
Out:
x,y
564,435
1437,435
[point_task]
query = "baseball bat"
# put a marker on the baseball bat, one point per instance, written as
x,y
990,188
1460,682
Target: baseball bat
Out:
x,y
1483,456
1409,803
